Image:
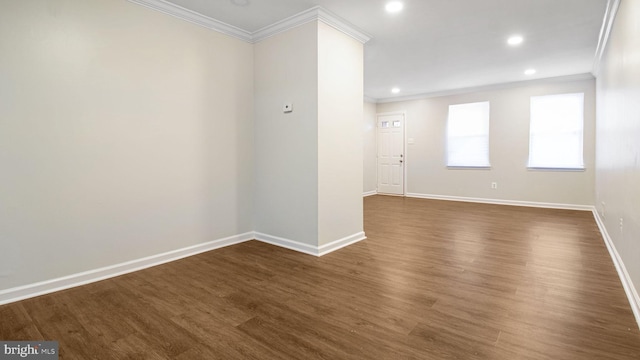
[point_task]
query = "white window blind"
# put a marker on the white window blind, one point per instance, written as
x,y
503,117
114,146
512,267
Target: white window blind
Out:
x,y
556,132
468,135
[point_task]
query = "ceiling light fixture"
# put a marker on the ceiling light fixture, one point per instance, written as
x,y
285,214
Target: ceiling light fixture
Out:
x,y
515,40
394,6
395,90
530,71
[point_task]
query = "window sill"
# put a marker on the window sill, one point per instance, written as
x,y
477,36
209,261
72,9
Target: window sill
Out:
x,y
555,169
468,167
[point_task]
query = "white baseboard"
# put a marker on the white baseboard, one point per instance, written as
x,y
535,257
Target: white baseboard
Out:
x,y
310,249
369,193
87,277
83,278
339,244
286,243
503,202
627,284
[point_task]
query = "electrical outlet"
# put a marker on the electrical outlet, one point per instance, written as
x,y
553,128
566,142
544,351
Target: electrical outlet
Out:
x,y
621,223
494,185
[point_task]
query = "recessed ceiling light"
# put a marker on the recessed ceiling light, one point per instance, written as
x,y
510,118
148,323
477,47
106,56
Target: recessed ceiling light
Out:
x,y
394,6
530,71
240,2
515,40
395,90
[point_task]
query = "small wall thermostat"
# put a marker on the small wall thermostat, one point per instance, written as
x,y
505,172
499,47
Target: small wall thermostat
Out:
x,y
287,108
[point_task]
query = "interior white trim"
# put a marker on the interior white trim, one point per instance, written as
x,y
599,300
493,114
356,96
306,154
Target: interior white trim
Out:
x,y
285,24
287,243
509,85
195,18
315,13
340,243
627,284
310,249
503,202
66,282
340,24
86,277
405,150
369,193
605,32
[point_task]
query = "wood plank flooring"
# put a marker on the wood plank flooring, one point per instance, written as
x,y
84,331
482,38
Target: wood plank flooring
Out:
x,y
434,280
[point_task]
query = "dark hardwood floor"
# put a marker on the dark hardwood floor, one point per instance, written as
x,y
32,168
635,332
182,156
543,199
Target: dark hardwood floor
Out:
x,y
434,280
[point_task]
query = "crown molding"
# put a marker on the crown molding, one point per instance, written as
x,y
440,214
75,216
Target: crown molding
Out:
x,y
285,24
194,17
314,14
340,24
605,32
508,85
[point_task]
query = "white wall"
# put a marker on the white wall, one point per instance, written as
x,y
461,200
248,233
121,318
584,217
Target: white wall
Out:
x,y
286,145
340,144
427,173
124,133
308,180
618,138
370,179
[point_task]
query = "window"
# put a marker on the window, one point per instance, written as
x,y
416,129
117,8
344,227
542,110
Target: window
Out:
x,y
555,136
468,135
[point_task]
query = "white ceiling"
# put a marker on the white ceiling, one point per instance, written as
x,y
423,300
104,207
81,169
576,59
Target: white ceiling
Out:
x,y
435,46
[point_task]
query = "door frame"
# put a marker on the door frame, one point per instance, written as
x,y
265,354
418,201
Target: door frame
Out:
x,y
404,149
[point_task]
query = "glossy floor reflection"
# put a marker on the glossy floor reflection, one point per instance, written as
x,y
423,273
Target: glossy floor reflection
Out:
x,y
434,280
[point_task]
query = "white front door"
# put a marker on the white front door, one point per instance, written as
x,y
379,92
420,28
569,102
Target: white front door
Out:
x,y
390,130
